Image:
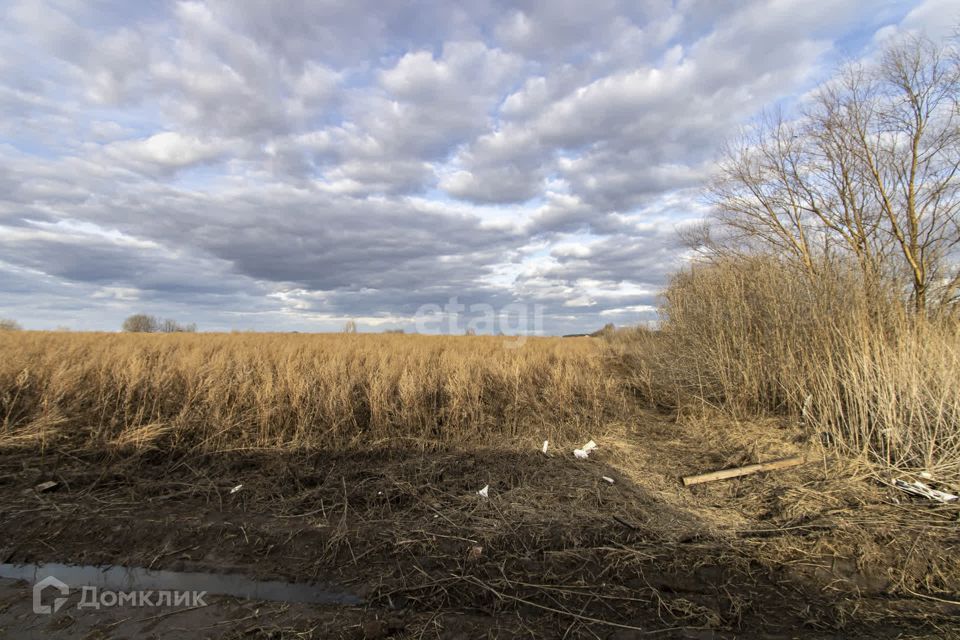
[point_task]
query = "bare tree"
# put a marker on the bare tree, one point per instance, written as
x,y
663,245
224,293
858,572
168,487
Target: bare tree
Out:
x,y
172,326
350,326
7,324
756,196
140,323
868,173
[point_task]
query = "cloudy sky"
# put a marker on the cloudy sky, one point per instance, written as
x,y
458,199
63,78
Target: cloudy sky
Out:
x,y
289,165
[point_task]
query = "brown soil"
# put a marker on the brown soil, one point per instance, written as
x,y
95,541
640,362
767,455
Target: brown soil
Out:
x,y
555,551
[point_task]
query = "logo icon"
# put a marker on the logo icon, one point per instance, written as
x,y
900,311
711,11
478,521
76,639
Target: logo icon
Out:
x,y
38,588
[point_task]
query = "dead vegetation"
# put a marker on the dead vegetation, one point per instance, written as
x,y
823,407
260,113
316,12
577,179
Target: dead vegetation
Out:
x,y
220,392
553,552
753,337
360,458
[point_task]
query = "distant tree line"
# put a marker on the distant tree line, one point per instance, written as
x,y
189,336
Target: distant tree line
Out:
x,y
143,323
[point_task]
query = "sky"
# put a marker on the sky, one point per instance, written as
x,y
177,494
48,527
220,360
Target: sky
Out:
x,y
281,166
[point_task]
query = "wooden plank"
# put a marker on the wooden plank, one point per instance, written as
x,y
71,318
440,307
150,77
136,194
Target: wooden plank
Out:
x,y
46,486
736,472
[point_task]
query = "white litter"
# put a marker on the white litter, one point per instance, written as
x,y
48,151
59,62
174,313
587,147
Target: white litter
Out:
x,y
485,492
607,479
920,489
546,443
236,488
584,453
807,405
50,485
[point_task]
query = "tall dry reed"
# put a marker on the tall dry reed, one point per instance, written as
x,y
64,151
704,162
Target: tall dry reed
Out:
x,y
752,335
218,392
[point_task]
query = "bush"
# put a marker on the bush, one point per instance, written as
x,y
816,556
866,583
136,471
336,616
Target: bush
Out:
x,y
9,325
754,335
140,323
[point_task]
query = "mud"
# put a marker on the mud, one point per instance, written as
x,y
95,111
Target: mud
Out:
x,y
555,551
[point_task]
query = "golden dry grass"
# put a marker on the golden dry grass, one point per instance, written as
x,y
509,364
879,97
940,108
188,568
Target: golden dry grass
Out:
x,y
746,338
217,392
753,337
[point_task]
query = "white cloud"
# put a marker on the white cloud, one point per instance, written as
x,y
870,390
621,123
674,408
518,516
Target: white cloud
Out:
x,y
302,162
167,151
934,18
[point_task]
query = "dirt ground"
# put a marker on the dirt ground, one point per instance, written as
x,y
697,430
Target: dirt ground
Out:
x,y
554,551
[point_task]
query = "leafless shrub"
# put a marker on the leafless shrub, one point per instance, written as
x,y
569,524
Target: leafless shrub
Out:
x,y
140,323
756,336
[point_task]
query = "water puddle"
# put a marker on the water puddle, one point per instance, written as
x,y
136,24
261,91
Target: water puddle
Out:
x,y
115,578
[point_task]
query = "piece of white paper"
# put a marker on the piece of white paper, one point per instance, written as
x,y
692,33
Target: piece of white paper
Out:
x,y
920,489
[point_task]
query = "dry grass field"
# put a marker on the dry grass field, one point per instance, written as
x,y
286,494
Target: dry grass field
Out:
x,y
359,459
217,392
